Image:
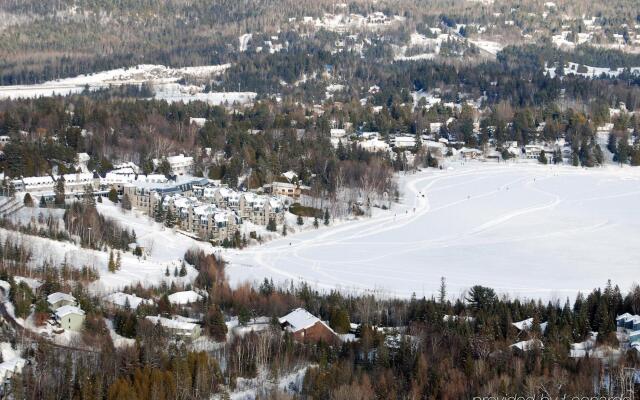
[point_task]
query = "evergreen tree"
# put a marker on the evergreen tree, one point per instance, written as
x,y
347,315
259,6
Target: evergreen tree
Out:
x,y
118,261
112,264
284,230
299,220
170,219
183,270
271,225
59,192
326,216
126,202
158,214
542,158
113,195
340,320
214,324
28,200
315,223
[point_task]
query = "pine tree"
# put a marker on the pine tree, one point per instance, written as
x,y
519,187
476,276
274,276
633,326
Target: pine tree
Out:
x,y
170,219
126,202
158,214
28,200
542,158
299,220
175,271
326,216
183,270
88,197
166,272
315,222
113,195
442,295
43,202
112,264
271,225
118,261
59,194
284,230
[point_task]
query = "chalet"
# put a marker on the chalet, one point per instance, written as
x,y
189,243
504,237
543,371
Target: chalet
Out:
x,y
628,321
177,326
186,297
527,345
526,324
69,317
306,327
180,165
403,142
59,299
286,189
120,299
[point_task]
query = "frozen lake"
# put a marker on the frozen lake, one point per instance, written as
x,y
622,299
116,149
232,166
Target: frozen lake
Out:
x,y
523,229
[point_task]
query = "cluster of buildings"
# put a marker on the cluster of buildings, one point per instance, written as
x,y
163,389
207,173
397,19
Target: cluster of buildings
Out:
x,y
200,206
66,313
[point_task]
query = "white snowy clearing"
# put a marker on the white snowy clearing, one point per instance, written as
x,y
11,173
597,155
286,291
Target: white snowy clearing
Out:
x,y
164,81
526,230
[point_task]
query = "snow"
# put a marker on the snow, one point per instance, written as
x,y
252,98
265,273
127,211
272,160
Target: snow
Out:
x,y
244,41
66,310
526,324
524,229
164,249
186,297
489,46
172,323
58,296
299,319
571,68
251,389
120,299
118,341
164,81
528,345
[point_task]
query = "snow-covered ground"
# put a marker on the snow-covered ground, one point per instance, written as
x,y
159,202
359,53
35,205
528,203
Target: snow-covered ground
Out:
x,y
572,68
524,229
164,249
164,81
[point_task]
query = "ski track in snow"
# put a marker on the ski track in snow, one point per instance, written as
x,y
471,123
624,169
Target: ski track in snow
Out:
x,y
526,230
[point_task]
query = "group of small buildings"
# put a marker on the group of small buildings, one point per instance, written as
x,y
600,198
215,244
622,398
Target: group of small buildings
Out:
x,y
200,206
66,314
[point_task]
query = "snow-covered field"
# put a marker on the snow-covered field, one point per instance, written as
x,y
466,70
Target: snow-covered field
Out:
x,y
524,229
164,249
164,81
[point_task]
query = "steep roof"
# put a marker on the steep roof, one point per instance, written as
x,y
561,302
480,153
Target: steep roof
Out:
x,y
299,319
59,296
66,310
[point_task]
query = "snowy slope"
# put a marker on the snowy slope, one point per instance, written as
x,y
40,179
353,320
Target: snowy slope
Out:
x,y
524,229
164,82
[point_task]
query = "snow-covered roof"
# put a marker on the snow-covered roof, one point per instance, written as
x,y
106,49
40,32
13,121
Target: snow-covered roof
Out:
x,y
290,175
186,297
528,345
66,310
120,299
173,323
10,367
626,316
300,319
59,296
525,325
